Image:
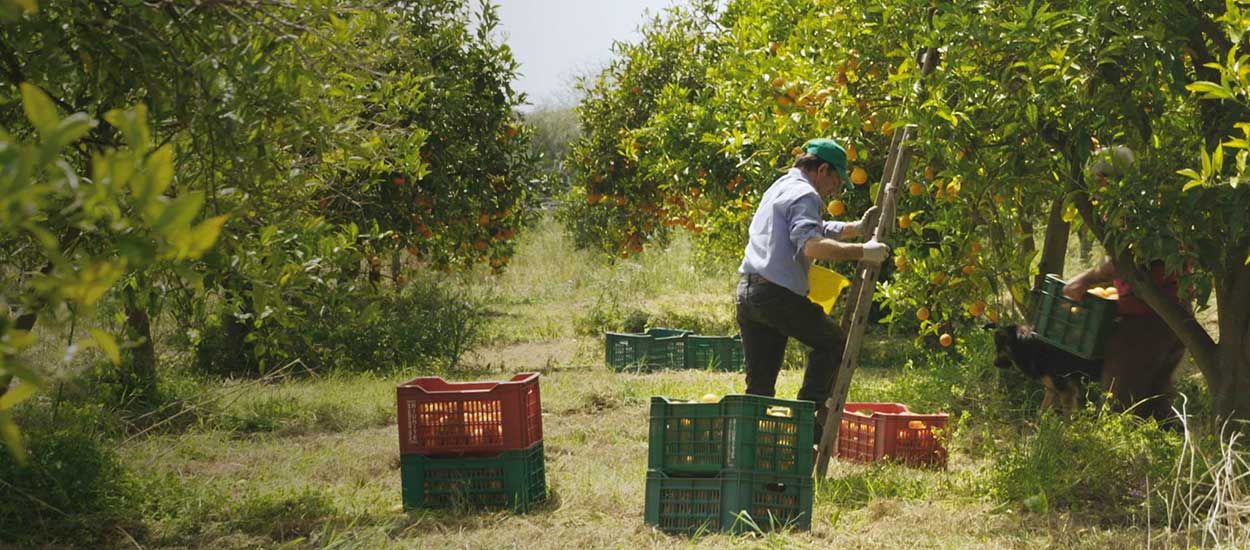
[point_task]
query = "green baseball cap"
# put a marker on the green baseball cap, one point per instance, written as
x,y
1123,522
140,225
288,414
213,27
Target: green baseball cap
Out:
x,y
829,151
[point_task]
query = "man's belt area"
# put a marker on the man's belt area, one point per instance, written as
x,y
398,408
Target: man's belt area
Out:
x,y
756,278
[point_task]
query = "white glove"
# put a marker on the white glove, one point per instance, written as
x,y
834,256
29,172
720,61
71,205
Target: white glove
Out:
x,y
875,252
869,220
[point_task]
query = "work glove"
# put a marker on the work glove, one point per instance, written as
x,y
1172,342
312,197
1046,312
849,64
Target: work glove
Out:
x,y
869,219
875,252
865,223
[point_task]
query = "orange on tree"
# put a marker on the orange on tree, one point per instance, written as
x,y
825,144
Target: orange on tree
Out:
x,y
904,221
837,208
939,278
969,269
900,262
930,173
977,308
922,314
946,340
851,153
915,189
859,176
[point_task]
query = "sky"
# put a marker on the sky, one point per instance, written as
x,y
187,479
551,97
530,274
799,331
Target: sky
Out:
x,y
557,40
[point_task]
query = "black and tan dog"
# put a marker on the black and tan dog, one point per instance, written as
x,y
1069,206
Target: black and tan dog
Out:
x,y
1059,371
1139,360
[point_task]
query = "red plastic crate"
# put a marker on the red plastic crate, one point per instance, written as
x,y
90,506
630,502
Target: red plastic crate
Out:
x,y
873,431
437,417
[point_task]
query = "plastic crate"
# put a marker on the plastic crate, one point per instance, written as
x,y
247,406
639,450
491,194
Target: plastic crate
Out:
x,y
1080,328
512,479
875,431
741,433
437,417
722,353
657,349
736,503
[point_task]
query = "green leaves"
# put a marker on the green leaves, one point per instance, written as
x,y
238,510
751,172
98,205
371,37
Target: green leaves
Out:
x,y
40,110
107,344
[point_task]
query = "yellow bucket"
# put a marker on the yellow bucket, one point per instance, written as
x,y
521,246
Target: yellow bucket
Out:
x,y
826,285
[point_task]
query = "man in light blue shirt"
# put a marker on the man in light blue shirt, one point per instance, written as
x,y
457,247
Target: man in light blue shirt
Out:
x,y
786,235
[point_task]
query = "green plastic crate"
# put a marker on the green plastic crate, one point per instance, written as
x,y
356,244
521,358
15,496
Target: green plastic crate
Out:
x,y
737,503
722,353
741,433
512,479
657,349
1080,328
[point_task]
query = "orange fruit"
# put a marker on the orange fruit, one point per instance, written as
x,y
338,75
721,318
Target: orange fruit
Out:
x,y
922,314
904,221
779,82
784,100
992,315
859,176
952,190
851,154
939,278
975,248
929,173
483,219
620,200
837,208
977,308
970,269
900,263
479,244
915,189
946,340
594,198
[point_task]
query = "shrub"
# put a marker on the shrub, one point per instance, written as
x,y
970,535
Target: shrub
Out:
x,y
426,322
72,490
1097,463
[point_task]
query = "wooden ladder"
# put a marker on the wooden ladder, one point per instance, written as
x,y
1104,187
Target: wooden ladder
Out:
x,y
859,302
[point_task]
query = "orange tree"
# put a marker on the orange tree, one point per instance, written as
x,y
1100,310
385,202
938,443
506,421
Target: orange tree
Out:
x,y
450,177
1023,94
119,220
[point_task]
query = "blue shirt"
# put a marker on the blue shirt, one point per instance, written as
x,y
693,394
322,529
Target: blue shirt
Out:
x,y
788,215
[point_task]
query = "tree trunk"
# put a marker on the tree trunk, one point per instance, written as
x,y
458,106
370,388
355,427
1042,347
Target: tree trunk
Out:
x,y
138,366
1087,245
1055,247
1230,383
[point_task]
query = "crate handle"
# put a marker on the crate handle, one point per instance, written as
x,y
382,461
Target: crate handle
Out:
x,y
777,410
917,425
776,487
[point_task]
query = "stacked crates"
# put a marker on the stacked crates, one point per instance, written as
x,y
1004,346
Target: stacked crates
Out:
x,y
471,445
739,465
667,348
1080,328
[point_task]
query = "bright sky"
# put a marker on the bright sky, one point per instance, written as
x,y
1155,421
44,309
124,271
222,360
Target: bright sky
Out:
x,y
557,40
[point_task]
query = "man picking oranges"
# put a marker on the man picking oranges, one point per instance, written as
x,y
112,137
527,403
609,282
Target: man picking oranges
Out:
x,y
786,235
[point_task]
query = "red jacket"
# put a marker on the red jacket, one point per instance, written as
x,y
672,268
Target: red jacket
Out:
x,y
1131,305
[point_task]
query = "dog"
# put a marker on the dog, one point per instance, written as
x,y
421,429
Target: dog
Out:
x,y
1137,367
1060,372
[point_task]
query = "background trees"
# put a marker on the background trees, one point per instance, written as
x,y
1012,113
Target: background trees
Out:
x,y
306,140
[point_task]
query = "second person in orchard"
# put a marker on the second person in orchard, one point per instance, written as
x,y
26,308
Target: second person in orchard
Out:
x,y
786,235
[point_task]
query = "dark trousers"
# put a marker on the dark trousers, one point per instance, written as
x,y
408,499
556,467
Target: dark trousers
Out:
x,y
768,316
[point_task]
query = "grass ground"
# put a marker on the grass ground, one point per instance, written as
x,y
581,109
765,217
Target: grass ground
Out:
x,y
314,461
